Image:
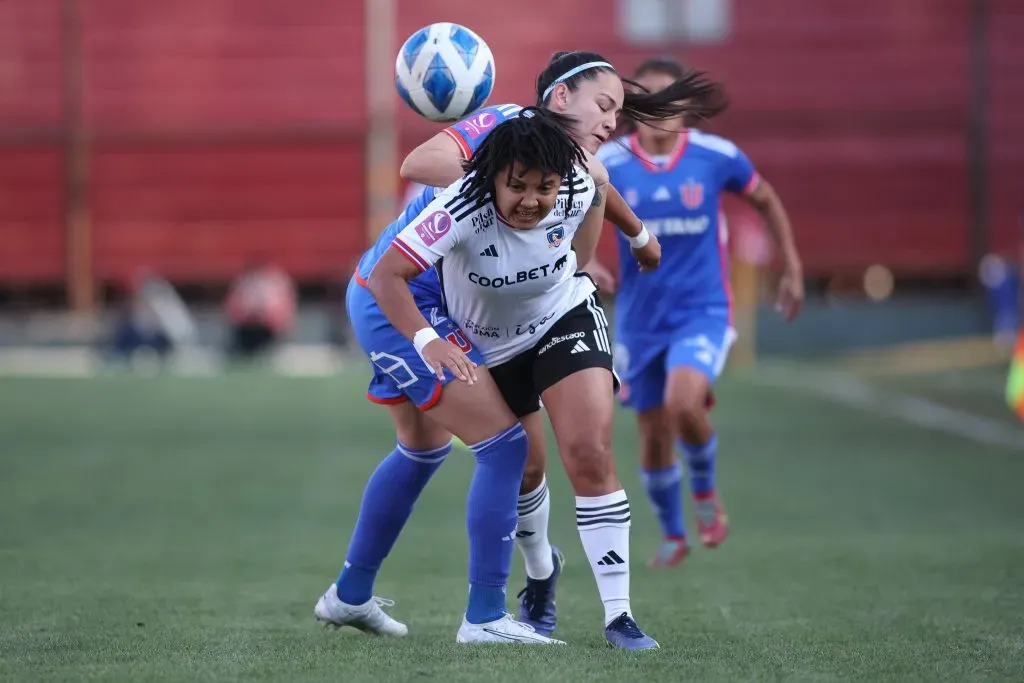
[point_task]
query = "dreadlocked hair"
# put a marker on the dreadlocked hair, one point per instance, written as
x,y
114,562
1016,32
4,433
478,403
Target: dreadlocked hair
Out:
x,y
693,93
537,139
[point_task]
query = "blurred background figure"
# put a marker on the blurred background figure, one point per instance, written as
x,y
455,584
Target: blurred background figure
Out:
x,y
260,309
1000,278
152,319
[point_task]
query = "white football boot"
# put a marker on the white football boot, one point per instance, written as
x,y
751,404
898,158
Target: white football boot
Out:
x,y
505,630
368,617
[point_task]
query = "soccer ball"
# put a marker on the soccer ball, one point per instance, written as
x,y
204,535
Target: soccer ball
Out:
x,y
444,72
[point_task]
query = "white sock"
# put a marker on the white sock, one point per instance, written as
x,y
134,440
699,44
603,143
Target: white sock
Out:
x,y
532,532
603,523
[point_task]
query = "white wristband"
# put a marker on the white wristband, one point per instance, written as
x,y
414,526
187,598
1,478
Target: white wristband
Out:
x,y
424,337
641,240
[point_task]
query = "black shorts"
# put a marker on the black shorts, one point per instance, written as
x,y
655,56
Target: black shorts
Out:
x,y
578,341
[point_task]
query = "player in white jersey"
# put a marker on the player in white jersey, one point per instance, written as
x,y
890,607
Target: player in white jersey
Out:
x,y
512,286
585,86
507,278
422,359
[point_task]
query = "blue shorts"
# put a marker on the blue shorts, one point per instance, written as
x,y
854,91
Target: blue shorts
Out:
x,y
399,373
643,362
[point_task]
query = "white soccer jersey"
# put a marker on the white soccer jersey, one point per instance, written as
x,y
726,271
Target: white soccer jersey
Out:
x,y
504,287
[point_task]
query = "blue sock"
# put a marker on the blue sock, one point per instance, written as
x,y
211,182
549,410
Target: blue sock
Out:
x,y
701,462
388,500
491,520
664,489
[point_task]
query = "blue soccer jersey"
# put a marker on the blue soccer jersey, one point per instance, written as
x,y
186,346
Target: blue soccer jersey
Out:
x,y
680,313
677,198
470,132
399,374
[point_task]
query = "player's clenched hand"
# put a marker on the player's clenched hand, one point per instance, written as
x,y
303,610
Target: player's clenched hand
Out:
x,y
649,255
791,293
441,354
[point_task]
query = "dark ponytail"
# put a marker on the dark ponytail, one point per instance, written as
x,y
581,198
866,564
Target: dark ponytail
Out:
x,y
693,95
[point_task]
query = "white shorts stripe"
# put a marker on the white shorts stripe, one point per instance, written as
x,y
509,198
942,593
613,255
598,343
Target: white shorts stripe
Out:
x,y
723,351
600,325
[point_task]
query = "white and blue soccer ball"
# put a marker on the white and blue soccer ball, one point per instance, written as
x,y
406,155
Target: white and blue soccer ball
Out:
x,y
444,72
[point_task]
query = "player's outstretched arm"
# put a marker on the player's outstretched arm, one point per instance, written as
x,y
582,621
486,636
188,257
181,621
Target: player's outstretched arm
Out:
x,y
645,246
389,284
437,162
766,200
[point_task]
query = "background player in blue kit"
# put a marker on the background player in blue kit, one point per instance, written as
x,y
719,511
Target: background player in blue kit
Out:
x,y
674,325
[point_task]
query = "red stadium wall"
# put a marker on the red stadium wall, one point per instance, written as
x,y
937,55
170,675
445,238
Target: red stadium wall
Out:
x,y
1006,124
234,127
31,158
224,128
220,128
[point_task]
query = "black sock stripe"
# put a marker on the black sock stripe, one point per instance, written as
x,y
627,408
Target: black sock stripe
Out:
x,y
612,506
605,513
602,520
533,495
527,508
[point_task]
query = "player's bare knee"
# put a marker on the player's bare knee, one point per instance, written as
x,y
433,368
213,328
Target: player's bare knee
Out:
x,y
533,475
689,416
589,462
686,403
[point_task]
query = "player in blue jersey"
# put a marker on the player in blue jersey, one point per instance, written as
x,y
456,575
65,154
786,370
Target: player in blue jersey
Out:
x,y
674,325
583,86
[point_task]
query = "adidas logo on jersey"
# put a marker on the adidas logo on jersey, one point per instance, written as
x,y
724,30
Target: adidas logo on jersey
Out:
x,y
489,251
580,347
610,559
661,194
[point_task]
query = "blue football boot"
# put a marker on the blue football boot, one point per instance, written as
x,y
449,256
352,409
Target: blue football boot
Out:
x,y
624,634
537,600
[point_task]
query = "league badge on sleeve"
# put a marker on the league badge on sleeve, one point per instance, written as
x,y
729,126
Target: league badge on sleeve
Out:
x,y
478,125
434,227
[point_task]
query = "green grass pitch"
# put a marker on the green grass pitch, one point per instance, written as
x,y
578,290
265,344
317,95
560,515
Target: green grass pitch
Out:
x,y
183,528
